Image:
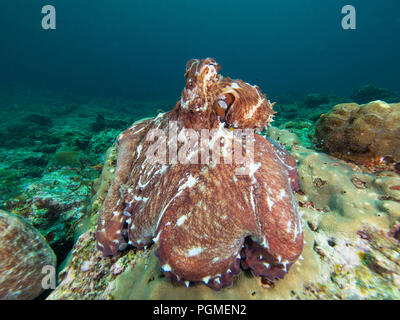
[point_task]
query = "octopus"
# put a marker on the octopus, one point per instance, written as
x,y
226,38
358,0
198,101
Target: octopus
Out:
x,y
177,188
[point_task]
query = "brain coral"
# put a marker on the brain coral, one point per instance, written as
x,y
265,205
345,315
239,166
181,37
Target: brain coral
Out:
x,y
366,134
24,252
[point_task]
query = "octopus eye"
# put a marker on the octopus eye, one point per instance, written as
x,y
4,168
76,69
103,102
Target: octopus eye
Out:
x,y
190,83
222,104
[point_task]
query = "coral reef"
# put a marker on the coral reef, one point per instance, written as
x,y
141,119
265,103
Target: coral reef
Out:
x,y
350,250
308,109
314,100
206,219
47,172
369,93
52,149
49,157
54,205
366,134
24,252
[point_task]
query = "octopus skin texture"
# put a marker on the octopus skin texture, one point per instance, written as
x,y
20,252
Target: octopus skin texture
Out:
x,y
207,222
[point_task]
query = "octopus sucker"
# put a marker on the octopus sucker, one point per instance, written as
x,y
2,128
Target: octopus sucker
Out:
x,y
207,219
262,263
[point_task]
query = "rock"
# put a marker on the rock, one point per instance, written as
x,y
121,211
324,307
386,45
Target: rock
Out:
x,y
51,188
315,100
100,142
40,120
70,158
67,137
309,108
366,134
99,124
369,93
55,204
24,252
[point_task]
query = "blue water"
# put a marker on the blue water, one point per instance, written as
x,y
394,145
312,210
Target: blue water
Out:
x,y
139,48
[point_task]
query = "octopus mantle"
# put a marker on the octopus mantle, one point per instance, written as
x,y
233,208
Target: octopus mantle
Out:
x,y
205,220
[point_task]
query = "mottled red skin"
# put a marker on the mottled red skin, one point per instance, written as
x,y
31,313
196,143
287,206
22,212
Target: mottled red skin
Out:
x,y
204,220
290,164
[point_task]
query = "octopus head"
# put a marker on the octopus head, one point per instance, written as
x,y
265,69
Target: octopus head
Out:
x,y
201,77
208,94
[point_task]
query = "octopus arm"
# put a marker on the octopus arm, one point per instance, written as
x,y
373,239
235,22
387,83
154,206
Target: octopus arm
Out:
x,y
281,238
109,234
289,162
202,229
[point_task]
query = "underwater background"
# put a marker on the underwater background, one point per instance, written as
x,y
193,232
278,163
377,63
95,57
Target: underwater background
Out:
x,y
136,48
66,94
